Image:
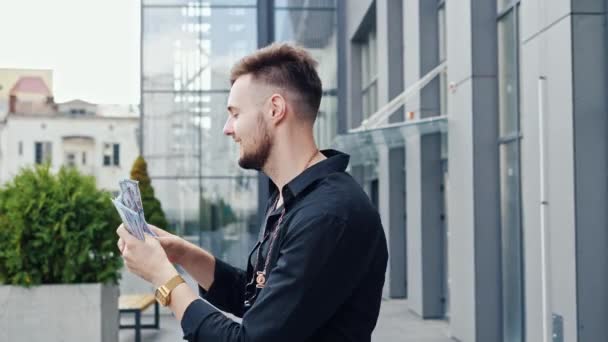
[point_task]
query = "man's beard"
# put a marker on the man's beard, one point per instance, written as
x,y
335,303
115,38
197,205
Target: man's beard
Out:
x,y
257,159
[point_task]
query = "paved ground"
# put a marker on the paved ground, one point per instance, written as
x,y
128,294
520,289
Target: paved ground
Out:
x,y
396,324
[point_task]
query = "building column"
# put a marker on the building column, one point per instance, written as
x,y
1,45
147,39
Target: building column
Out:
x,y
590,119
389,24
426,232
473,195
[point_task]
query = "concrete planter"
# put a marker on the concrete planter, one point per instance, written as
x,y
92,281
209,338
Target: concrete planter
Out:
x,y
74,312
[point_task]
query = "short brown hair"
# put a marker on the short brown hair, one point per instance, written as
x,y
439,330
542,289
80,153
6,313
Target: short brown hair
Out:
x,y
286,66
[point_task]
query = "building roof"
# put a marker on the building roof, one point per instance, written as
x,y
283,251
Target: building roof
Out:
x,y
31,85
76,102
63,115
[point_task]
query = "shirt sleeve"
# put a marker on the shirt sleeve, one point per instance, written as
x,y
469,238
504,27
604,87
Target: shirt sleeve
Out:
x,y
228,289
319,264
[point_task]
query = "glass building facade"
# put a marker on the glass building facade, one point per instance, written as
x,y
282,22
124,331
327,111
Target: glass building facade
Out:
x,y
188,49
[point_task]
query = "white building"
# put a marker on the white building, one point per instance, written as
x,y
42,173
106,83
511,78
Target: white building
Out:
x,y
72,134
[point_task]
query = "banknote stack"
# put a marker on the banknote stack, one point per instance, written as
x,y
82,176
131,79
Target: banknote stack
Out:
x,y
131,210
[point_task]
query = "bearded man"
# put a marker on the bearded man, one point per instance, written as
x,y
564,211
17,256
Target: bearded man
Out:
x,y
318,269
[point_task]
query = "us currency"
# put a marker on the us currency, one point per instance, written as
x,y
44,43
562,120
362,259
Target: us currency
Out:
x,y
130,219
131,195
131,198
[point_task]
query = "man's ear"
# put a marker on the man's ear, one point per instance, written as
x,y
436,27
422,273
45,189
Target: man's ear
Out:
x,y
278,108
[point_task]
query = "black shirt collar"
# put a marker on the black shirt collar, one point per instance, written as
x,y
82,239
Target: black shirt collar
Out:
x,y
336,162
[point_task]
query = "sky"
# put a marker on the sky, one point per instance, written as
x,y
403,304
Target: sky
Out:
x,y
92,46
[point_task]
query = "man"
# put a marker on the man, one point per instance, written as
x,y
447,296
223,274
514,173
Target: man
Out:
x,y
318,270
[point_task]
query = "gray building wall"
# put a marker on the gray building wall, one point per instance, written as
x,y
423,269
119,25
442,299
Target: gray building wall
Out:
x,y
566,43
548,53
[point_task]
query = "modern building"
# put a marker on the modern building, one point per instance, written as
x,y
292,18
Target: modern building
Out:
x,y
36,130
478,128
493,189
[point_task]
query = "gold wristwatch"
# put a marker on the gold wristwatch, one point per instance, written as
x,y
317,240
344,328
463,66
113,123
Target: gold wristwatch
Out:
x,y
163,293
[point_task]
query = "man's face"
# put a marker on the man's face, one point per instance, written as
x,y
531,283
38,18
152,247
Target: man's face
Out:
x,y
246,124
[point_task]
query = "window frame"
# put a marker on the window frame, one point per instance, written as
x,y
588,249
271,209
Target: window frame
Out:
x,y
46,152
110,157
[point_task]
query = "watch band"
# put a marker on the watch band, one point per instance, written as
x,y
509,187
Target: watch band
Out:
x,y
173,282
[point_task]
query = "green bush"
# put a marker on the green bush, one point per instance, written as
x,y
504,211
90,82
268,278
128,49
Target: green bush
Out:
x,y
57,228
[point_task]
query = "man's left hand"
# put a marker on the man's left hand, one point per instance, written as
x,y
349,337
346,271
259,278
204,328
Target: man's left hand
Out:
x,y
146,259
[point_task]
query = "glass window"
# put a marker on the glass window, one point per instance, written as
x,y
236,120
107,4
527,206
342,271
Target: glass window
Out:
x,y
194,3
507,74
443,83
111,154
369,74
43,152
308,4
502,5
116,154
511,237
20,148
70,159
194,53
188,50
223,219
510,180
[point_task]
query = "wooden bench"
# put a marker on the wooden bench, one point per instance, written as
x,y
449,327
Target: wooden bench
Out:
x,y
136,304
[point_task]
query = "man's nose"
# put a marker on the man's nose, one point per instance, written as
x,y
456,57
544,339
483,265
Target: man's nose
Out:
x,y
228,127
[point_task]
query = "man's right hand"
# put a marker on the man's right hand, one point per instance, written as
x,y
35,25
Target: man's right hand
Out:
x,y
174,246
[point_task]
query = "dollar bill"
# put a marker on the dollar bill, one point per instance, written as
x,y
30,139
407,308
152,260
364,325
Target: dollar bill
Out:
x,y
130,219
130,198
131,193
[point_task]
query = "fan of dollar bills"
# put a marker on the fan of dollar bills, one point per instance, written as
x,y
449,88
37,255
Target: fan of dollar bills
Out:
x,y
130,208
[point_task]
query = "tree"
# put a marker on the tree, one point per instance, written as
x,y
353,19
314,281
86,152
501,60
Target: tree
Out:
x,y
152,208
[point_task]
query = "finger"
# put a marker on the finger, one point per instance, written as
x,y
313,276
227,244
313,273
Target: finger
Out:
x,y
149,239
164,241
121,245
158,231
125,235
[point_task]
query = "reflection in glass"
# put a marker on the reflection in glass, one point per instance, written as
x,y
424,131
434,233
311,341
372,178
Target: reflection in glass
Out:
x,y
188,49
308,4
511,237
184,52
501,5
195,3
443,83
507,74
369,74
227,212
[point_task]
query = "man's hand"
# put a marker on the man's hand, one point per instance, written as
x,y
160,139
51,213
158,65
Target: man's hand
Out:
x,y
174,246
146,259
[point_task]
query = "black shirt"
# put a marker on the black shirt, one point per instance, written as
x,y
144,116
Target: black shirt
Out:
x,y
326,270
